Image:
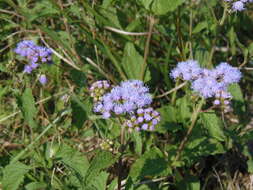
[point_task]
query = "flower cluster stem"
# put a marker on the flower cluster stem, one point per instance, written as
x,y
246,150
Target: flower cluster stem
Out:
x,y
193,122
122,148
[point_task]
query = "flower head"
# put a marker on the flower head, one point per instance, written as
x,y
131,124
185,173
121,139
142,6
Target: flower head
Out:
x,y
188,70
209,83
43,79
35,54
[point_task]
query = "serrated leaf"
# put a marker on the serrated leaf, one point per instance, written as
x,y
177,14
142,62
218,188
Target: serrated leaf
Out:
x,y
101,161
151,163
132,63
28,108
161,7
14,175
213,125
99,182
74,160
168,123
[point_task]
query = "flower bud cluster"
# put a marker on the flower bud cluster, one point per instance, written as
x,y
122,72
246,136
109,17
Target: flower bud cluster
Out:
x,y
107,145
98,89
143,119
209,83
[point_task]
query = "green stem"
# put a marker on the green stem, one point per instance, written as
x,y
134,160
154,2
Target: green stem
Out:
x,y
173,98
122,149
224,16
193,121
190,30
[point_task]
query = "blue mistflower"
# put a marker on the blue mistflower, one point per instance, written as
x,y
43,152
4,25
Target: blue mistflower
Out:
x,y
238,5
43,79
125,98
187,70
209,83
35,54
130,100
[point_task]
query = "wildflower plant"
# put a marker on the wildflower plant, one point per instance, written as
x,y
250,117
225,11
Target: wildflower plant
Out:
x,y
184,126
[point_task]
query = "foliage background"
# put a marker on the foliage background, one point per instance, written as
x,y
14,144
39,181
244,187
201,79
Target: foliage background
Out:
x,y
49,137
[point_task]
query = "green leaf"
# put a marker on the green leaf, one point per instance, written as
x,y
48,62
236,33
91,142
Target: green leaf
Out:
x,y
28,108
99,182
132,63
113,185
150,164
189,183
101,161
79,111
146,3
42,9
213,125
248,153
183,111
137,141
74,160
14,175
168,123
238,101
200,26
36,186
161,7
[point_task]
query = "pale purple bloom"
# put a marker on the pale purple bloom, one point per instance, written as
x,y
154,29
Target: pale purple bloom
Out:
x,y
187,70
144,126
126,98
209,83
28,69
216,102
43,79
238,6
35,54
106,115
227,74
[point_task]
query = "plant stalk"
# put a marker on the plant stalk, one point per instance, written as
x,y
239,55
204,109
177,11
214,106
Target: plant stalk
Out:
x,y
193,122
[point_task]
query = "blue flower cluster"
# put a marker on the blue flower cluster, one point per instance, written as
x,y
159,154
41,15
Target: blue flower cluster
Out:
x,y
208,83
239,5
126,99
35,55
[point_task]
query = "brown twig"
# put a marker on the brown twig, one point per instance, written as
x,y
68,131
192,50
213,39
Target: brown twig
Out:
x,y
146,51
